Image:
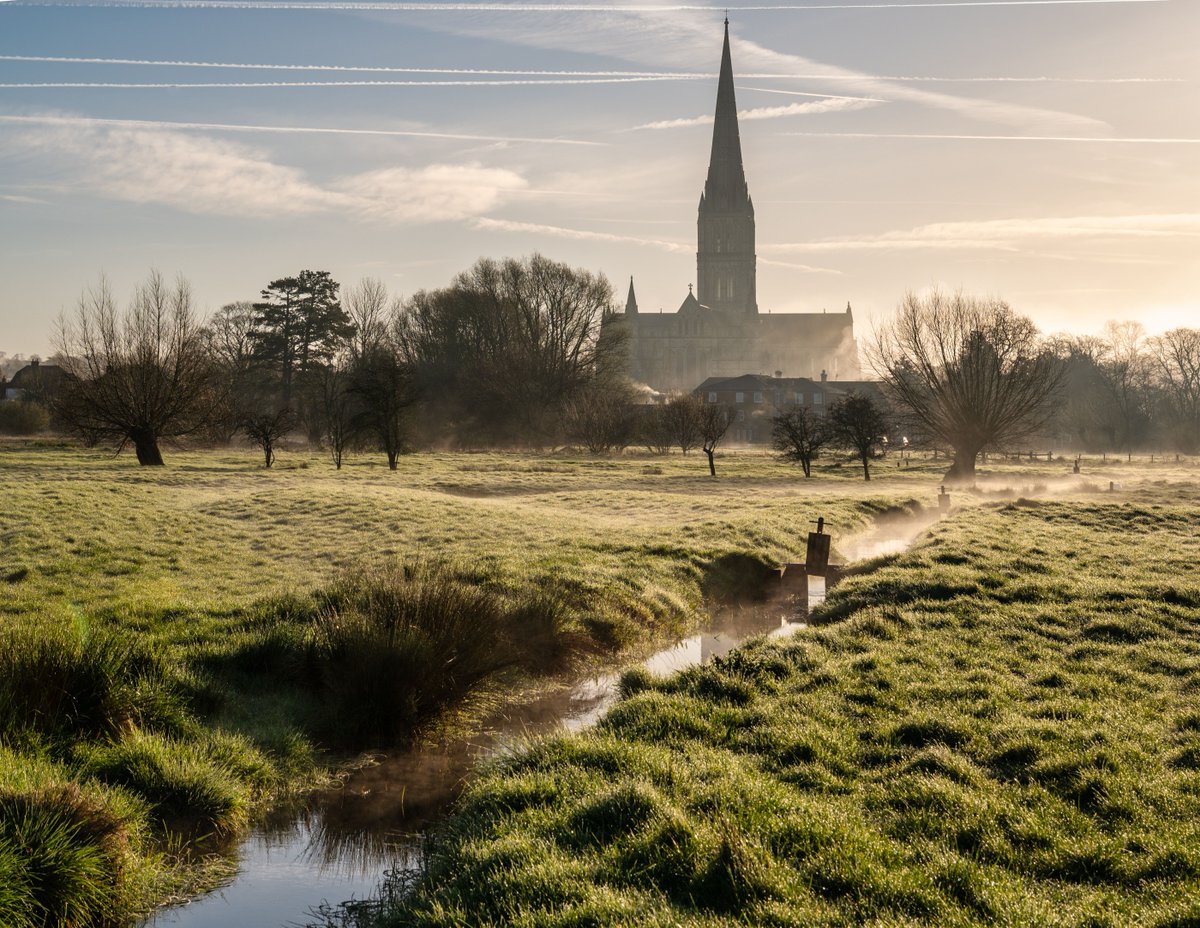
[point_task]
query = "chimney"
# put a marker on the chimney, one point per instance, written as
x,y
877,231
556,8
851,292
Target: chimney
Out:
x,y
34,362
824,376
778,374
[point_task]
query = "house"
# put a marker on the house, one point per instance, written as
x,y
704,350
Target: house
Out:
x,y
37,381
753,400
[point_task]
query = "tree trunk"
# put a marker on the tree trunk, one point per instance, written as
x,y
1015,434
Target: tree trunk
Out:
x,y
268,453
393,457
963,468
806,463
866,467
712,467
145,444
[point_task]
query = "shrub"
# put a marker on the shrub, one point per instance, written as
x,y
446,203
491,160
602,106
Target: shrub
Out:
x,y
397,649
59,682
21,418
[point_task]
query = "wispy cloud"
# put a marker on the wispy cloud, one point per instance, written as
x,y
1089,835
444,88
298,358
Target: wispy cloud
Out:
x,y
205,175
222,85
833,105
1130,140
18,198
536,228
1008,234
543,7
86,122
806,268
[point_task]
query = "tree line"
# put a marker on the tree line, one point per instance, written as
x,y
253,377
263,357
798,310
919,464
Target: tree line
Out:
x,y
499,357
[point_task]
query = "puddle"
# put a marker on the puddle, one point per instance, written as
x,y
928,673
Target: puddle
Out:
x,y
336,845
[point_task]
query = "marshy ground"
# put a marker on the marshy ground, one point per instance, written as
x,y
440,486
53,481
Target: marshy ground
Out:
x,y
998,726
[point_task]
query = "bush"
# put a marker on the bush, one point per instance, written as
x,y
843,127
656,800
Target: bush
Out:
x,y
398,648
62,683
21,418
63,858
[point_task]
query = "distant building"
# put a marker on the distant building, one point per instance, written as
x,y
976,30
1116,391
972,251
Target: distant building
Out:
x,y
718,330
753,400
36,381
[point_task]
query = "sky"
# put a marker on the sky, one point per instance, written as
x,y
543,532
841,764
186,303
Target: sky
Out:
x,y
1042,151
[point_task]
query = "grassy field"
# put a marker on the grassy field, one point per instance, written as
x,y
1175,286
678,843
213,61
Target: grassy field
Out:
x,y
174,643
1000,727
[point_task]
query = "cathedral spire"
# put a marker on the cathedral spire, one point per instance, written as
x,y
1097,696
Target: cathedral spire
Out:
x,y
631,306
725,261
726,184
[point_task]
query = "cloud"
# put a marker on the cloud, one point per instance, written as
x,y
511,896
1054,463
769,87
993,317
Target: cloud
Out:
x,y
435,193
509,225
400,7
999,138
18,198
204,175
833,105
86,122
1008,234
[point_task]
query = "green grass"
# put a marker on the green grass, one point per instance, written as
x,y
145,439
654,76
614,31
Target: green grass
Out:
x,y
172,641
998,728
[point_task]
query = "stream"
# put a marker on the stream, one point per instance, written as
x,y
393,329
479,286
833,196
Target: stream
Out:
x,y
336,844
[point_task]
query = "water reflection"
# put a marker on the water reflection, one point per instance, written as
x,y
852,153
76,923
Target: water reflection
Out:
x,y
335,844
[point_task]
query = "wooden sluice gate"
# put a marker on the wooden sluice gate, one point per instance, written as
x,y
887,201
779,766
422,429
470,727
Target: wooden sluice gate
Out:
x,y
794,577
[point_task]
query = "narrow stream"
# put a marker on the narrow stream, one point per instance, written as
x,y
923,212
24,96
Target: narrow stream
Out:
x,y
336,844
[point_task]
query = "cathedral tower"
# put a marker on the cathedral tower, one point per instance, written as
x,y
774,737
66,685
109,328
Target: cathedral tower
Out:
x,y
725,229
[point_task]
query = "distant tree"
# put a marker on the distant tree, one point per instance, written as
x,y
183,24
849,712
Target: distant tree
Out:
x,y
683,415
337,408
602,417
714,423
141,377
1124,369
860,424
267,427
382,382
798,436
970,371
502,351
298,326
652,430
1175,364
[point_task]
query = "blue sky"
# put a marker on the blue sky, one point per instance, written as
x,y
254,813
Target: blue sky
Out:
x,y
1046,152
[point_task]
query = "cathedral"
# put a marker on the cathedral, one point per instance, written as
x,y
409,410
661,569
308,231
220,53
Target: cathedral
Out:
x,y
718,330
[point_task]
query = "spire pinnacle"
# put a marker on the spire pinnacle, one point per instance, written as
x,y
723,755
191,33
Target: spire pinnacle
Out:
x,y
631,306
726,177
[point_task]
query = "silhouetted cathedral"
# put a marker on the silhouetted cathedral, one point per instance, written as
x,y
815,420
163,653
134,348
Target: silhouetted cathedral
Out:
x,y
718,330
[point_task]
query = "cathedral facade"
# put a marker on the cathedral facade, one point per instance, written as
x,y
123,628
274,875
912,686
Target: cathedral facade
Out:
x,y
718,330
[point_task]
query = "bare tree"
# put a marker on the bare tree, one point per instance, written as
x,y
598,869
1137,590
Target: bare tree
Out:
x,y
1175,361
267,427
860,424
798,436
337,409
143,376
971,372
683,414
382,382
601,417
714,423
1124,369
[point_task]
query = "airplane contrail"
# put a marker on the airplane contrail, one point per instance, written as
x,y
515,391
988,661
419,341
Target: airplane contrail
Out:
x,y
504,72
998,138
368,6
231,127
208,85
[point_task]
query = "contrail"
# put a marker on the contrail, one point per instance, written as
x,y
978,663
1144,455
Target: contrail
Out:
x,y
228,127
365,5
209,85
995,138
664,75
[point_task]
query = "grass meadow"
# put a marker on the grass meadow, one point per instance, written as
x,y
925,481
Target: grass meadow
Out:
x,y
180,646
999,727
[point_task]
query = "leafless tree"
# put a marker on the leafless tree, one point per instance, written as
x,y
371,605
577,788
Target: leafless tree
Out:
x,y
860,424
683,413
714,423
337,408
1175,362
143,376
267,427
381,380
798,436
371,310
969,370
1124,368
601,417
